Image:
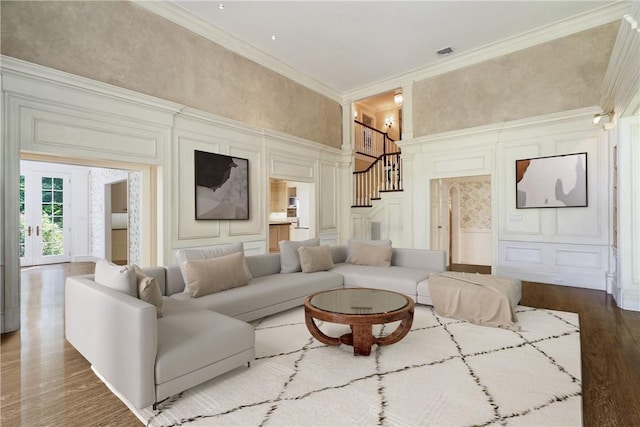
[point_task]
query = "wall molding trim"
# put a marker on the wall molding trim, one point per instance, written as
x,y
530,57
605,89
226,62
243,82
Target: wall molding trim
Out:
x,y
498,131
16,67
181,17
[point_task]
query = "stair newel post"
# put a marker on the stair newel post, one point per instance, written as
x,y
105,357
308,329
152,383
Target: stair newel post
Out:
x,y
399,172
378,176
386,173
356,200
366,188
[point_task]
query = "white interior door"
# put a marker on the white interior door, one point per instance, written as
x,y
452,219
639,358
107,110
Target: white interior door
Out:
x,y
44,225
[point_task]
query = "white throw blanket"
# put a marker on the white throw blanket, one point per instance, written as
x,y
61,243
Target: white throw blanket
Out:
x,y
482,299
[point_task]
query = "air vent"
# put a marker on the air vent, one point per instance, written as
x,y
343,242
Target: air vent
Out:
x,y
445,51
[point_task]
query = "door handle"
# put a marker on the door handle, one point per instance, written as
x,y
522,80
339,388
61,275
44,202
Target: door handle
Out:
x,y
29,231
37,230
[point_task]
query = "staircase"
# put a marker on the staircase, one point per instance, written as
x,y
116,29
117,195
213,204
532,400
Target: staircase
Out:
x,y
385,171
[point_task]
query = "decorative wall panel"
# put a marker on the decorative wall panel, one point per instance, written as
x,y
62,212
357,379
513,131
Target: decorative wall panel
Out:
x,y
581,259
291,169
183,195
460,165
50,132
329,193
524,255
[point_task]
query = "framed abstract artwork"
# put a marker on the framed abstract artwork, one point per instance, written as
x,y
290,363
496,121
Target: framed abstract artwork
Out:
x,y
552,182
221,186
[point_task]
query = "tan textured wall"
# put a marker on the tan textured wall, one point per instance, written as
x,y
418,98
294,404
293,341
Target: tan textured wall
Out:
x,y
560,75
127,46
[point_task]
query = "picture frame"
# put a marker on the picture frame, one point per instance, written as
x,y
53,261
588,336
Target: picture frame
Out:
x,y
221,187
552,182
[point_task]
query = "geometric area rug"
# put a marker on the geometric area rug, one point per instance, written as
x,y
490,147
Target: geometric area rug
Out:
x,y
445,372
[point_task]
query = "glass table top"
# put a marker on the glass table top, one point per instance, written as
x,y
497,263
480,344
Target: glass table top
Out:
x,y
358,301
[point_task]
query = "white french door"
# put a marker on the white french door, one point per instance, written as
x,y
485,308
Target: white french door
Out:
x,y
44,225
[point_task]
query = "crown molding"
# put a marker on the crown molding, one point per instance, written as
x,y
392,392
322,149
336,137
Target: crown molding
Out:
x,y
622,80
594,18
197,25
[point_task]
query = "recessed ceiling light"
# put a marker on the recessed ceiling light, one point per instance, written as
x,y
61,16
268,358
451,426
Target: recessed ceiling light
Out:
x,y
273,37
221,6
445,51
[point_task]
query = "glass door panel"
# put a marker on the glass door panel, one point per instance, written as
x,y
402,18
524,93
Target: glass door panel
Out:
x,y
43,224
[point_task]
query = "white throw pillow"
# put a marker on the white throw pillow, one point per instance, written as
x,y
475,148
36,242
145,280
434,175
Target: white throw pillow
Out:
x,y
316,258
148,289
289,258
352,242
373,255
118,277
211,275
208,253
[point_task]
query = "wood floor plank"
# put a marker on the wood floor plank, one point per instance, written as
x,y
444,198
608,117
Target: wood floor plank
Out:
x,y
45,381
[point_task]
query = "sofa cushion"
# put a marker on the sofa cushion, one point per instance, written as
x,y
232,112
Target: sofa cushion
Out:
x,y
352,242
148,289
266,291
398,279
289,258
207,276
373,255
263,264
207,253
118,277
316,258
190,338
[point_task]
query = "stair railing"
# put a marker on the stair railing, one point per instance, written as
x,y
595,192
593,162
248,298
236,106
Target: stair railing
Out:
x,y
372,142
384,174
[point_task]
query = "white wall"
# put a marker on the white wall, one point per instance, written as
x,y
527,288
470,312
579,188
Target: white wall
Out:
x,y
65,115
568,246
626,287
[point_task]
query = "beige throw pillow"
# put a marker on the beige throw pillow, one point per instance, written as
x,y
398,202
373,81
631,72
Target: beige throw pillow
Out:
x,y
208,276
148,290
317,258
374,255
206,253
289,258
352,242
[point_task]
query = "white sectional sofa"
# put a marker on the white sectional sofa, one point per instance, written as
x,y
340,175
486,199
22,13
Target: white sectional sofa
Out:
x,y
147,359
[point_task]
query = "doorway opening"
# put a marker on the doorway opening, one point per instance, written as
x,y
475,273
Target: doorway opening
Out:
x,y
76,194
461,220
291,213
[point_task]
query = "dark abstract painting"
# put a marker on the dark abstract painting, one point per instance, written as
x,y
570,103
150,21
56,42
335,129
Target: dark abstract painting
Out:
x,y
222,186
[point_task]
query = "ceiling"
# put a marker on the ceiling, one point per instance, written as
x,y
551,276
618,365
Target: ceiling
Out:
x,y
346,45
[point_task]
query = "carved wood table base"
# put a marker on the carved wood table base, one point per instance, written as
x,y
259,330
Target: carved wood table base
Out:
x,y
361,336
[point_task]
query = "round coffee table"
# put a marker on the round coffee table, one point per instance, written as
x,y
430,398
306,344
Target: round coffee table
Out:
x,y
360,308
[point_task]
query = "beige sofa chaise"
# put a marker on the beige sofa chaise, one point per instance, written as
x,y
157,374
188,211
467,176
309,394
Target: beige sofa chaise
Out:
x,y
147,359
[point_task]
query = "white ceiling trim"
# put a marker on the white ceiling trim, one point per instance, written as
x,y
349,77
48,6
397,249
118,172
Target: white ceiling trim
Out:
x,y
563,28
193,23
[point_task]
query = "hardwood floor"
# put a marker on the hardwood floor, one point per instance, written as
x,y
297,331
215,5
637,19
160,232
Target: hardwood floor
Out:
x,y
45,381
610,340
